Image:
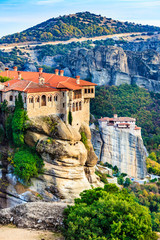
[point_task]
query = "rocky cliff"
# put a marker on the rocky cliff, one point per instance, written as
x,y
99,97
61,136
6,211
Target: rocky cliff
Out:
x,y
69,166
121,149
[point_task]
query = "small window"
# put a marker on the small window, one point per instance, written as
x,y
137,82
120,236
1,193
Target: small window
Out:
x,y
80,105
55,98
85,90
11,98
92,90
63,105
76,106
31,100
89,90
50,99
25,99
63,94
73,107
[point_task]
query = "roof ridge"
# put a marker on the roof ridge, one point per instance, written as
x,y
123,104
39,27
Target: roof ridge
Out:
x,y
27,85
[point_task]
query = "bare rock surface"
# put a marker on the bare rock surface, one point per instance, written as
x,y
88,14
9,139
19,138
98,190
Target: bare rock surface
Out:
x,y
39,215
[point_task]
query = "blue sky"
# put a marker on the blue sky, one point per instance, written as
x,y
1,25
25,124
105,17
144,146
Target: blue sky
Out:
x,y
17,15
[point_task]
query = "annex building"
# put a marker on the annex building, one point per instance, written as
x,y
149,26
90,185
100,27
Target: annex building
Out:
x,y
44,94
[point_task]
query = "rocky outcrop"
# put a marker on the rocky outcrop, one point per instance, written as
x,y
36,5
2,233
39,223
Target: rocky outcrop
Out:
x,y
122,149
113,65
35,215
69,165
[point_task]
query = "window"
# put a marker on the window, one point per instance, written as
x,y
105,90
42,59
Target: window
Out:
x,y
76,106
92,90
89,90
31,100
63,105
43,100
73,107
25,99
11,98
63,94
85,90
55,98
37,99
50,99
80,105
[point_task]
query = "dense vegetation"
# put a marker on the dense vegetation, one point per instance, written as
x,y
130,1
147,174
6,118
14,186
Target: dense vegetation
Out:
x,y
107,214
76,25
132,101
25,161
15,58
148,195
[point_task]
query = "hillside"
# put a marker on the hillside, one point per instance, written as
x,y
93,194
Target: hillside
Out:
x,y
131,101
82,24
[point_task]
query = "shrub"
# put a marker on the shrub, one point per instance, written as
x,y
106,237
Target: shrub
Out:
x,y
27,164
84,139
2,134
105,214
70,119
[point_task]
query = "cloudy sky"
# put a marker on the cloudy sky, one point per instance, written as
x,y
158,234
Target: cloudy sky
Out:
x,y
17,15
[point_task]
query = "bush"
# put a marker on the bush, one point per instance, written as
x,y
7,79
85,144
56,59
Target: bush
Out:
x,y
27,164
84,139
105,214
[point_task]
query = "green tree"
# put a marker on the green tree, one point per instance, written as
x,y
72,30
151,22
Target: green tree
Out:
x,y
102,214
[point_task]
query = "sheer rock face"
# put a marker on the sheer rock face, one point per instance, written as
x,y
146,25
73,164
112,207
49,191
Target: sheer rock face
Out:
x,y
124,150
114,66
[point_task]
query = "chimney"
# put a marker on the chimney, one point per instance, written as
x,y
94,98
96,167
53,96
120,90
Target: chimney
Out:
x,y
56,71
7,70
19,76
40,70
115,116
61,72
78,79
15,69
41,79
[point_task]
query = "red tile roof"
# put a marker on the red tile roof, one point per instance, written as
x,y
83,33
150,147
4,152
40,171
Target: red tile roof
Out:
x,y
52,82
118,119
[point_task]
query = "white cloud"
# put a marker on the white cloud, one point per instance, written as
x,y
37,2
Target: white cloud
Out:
x,y
47,2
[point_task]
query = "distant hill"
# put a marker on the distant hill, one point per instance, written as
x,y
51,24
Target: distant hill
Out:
x,y
82,24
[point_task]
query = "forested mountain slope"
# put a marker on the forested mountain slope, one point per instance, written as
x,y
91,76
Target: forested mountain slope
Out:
x,y
82,24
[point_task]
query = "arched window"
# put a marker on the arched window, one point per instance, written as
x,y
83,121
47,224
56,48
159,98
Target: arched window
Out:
x,y
55,98
43,100
31,100
73,107
11,98
50,98
76,106
80,105
37,99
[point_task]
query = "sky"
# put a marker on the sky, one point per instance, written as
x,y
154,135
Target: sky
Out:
x,y
18,15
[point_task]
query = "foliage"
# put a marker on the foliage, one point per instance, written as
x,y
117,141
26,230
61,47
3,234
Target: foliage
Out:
x,y
4,106
120,180
2,134
148,195
4,79
131,101
84,140
70,119
18,122
152,166
107,214
27,164
102,176
78,25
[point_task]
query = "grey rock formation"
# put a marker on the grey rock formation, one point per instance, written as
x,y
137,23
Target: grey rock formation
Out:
x,y
69,166
2,67
114,66
35,215
122,149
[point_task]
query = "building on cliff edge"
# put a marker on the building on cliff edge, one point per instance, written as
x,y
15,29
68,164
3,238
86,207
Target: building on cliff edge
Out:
x,y
44,94
126,124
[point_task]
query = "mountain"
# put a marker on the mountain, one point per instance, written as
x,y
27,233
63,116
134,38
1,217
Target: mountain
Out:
x,y
82,24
